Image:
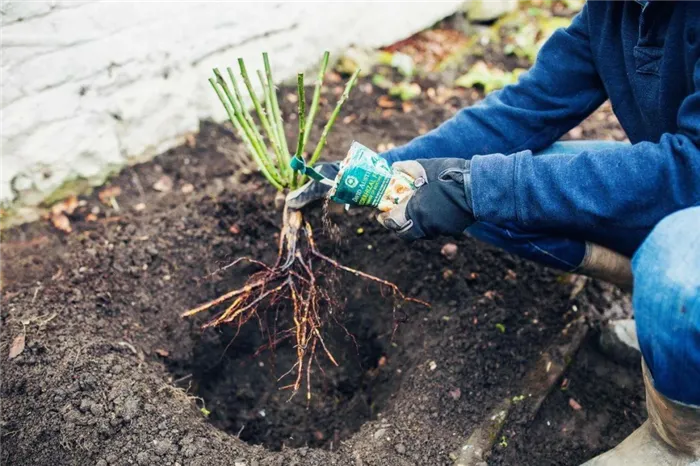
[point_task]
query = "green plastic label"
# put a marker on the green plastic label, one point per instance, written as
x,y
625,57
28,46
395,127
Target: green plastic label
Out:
x,y
364,177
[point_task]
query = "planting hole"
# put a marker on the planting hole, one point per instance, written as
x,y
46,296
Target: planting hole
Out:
x,y
243,395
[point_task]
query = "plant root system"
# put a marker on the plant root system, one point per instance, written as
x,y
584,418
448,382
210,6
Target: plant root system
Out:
x,y
292,283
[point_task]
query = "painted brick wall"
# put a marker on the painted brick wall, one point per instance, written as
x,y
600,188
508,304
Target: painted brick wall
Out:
x,y
90,86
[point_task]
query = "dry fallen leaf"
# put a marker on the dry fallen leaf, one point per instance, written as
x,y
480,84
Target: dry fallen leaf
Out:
x,y
162,352
61,222
333,77
574,405
17,346
565,384
57,213
385,101
68,206
164,184
107,194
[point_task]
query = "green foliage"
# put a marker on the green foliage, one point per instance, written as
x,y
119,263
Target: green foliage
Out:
x,y
405,91
382,82
488,78
574,5
525,30
400,61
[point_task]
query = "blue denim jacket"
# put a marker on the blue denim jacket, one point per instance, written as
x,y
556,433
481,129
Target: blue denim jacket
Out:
x,y
646,60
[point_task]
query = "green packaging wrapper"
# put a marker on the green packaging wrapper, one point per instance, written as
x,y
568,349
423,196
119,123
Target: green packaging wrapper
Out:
x,y
366,179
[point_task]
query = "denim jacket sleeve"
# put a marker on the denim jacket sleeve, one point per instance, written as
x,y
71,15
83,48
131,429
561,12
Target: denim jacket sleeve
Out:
x,y
629,189
557,93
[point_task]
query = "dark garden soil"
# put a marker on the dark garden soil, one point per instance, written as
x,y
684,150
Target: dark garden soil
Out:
x,y
111,375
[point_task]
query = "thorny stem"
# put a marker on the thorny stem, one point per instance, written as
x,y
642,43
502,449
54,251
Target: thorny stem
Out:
x,y
244,109
258,108
276,113
302,124
247,120
329,124
316,98
236,121
277,172
283,166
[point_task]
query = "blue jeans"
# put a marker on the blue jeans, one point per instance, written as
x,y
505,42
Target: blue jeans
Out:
x,y
666,297
666,300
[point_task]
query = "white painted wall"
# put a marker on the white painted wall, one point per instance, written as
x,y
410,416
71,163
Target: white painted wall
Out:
x,y
89,86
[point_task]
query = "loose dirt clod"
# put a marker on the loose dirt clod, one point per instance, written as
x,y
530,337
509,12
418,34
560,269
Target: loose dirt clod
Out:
x,y
449,251
17,346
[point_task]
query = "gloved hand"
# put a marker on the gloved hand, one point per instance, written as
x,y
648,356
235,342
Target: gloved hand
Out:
x,y
441,205
313,190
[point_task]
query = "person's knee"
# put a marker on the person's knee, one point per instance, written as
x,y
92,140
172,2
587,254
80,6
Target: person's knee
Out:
x,y
672,251
666,301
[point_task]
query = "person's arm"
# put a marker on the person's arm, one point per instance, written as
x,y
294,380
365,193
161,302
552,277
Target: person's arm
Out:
x,y
556,94
630,188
